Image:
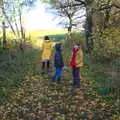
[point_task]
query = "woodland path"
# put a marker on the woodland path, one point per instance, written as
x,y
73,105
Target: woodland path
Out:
x,y
40,99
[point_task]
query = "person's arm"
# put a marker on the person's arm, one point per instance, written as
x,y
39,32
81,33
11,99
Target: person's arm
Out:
x,y
42,47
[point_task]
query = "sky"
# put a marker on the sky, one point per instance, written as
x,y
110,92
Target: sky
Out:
x,y
39,18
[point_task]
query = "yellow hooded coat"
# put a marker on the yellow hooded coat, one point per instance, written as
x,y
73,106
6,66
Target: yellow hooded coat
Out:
x,y
47,50
79,58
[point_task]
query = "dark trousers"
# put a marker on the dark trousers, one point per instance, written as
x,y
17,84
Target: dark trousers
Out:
x,y
76,76
44,65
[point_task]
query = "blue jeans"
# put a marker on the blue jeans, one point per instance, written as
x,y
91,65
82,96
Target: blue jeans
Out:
x,y
57,73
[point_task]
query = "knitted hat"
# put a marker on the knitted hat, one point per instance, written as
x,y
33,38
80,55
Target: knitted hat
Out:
x,y
75,46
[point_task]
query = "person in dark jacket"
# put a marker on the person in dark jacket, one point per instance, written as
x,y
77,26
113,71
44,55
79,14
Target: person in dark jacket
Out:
x,y
58,63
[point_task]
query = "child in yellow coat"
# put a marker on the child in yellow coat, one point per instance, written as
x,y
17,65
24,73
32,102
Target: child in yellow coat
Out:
x,y
46,54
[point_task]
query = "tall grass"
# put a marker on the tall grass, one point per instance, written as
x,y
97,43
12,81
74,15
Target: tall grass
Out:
x,y
14,67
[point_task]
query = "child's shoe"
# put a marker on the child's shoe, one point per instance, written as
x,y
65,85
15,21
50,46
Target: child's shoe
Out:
x,y
75,85
73,92
58,80
42,72
53,79
48,71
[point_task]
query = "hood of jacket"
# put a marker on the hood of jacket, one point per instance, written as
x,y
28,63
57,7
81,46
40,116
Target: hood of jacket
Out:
x,y
74,50
58,47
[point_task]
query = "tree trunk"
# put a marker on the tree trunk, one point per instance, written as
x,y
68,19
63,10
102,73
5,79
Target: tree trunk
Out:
x,y
3,25
10,24
21,26
88,30
107,17
4,35
17,29
22,31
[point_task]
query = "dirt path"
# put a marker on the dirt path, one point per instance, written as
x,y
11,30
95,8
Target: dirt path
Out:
x,y
40,99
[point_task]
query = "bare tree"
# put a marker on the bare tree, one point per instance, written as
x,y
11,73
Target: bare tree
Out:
x,y
3,25
67,14
12,14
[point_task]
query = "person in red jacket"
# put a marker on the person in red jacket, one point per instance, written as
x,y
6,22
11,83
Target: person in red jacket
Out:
x,y
76,62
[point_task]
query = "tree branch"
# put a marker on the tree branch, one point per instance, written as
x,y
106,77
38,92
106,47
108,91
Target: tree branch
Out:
x,y
82,2
117,6
79,17
74,5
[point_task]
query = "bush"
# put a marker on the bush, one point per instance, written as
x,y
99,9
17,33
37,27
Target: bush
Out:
x,y
107,45
14,67
78,38
68,44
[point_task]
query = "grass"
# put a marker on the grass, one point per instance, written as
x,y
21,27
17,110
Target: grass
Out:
x,y
39,34
14,68
102,82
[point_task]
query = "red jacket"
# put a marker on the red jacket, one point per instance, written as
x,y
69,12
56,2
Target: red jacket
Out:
x,y
72,61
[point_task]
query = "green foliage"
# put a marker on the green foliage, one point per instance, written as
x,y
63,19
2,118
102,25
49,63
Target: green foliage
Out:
x,y
77,38
100,75
14,67
116,63
107,45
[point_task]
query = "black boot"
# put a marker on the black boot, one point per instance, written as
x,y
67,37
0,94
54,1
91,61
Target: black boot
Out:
x,y
43,72
48,70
